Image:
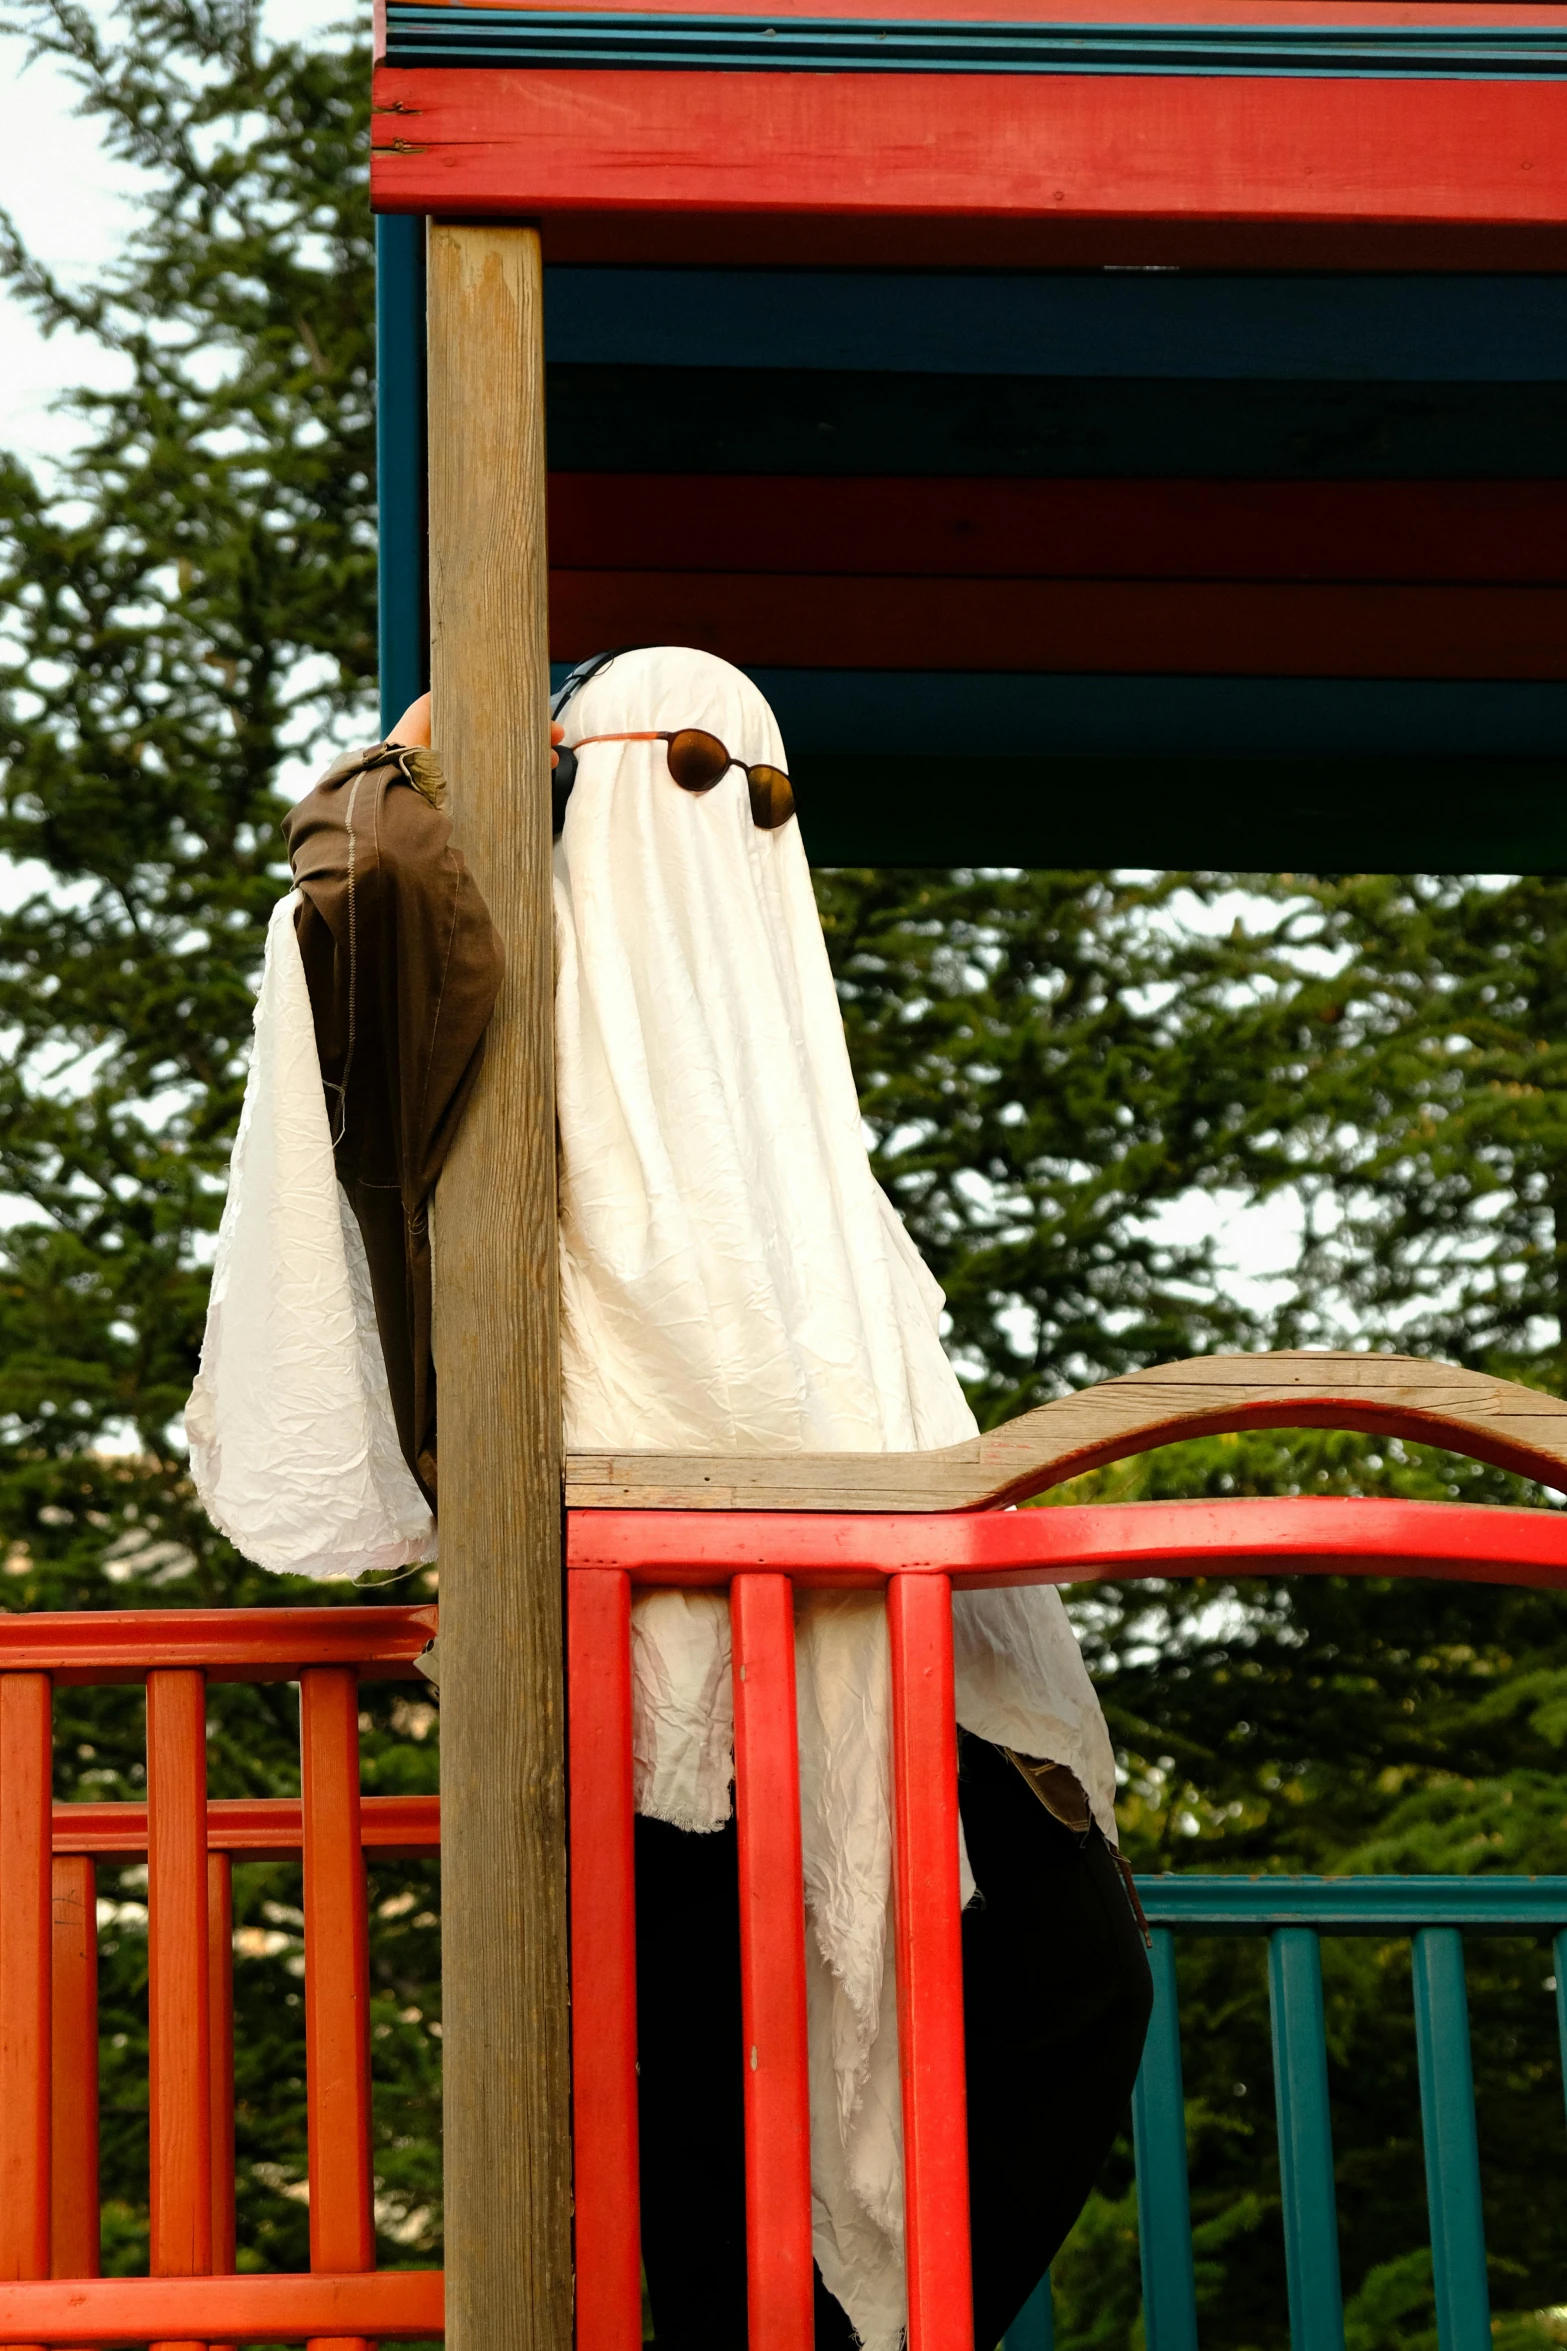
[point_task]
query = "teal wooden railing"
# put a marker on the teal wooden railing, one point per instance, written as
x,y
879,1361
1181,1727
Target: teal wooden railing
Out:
x,y
1294,1914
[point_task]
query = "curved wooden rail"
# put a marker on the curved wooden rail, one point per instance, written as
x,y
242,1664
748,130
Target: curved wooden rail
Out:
x,y
1495,1421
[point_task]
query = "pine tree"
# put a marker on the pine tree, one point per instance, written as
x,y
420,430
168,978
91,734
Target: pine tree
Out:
x,y
191,606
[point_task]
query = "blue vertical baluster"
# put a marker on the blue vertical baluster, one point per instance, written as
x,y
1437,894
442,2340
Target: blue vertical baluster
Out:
x,y
1447,2113
1164,2218
1300,2085
1561,1999
1034,2328
404,627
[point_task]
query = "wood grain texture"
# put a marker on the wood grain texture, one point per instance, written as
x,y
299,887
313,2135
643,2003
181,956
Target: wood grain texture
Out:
x,y
1498,1421
1057,148
508,2173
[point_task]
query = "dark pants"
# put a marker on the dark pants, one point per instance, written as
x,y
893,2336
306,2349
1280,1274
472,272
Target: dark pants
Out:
x,y
1056,1996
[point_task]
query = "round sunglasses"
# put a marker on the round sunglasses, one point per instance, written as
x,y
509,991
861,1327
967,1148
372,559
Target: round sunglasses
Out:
x,y
698,761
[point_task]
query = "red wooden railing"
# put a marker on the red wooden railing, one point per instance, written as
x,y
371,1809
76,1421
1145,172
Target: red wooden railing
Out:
x,y
49,2290
918,1558
49,2293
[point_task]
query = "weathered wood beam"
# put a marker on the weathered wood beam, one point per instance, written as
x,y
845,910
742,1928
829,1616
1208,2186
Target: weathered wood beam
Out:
x,y
508,2169
1492,1420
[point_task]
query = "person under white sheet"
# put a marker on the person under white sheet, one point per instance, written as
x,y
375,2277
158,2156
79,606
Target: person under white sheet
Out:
x,y
733,1278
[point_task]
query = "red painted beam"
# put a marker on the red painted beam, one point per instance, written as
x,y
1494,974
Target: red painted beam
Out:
x,y
1456,169
246,1827
227,1644
1071,1544
258,2309
1179,628
1509,531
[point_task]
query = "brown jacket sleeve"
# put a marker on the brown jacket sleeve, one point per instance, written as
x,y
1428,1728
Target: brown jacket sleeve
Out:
x,y
403,966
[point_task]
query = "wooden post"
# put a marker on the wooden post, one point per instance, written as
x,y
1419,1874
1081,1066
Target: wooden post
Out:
x,y
508,2166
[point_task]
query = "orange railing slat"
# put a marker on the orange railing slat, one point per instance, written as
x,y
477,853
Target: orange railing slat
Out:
x,y
930,1963
337,1977
772,1967
603,1966
178,2014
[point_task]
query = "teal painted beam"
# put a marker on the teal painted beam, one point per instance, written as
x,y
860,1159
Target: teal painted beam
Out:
x,y
1447,2113
1034,2328
1358,1906
1164,2218
1300,2084
401,494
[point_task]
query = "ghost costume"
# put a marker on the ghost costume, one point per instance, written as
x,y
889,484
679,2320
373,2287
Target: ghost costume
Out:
x,y
732,1278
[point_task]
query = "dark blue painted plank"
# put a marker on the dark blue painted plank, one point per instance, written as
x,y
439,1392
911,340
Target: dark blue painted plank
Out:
x,y
805,421
1458,51
1164,2224
400,462
1447,2115
1246,815
1022,717
1161,323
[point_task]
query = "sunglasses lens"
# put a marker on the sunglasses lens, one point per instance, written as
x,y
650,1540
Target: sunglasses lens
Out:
x,y
772,798
697,761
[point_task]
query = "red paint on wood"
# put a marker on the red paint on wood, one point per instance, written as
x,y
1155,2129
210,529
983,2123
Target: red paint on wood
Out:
x,y
178,2015
245,1827
265,2309
772,1967
220,2055
225,1644
1070,1544
26,1961
73,2151
1190,627
913,527
603,1964
1047,148
337,1978
930,1964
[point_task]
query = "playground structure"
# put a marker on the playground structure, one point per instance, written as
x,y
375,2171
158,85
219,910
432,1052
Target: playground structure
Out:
x,y
1127,438
866,1529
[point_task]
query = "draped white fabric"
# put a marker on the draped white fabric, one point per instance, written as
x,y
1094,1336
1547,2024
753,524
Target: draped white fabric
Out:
x,y
293,1446
733,1277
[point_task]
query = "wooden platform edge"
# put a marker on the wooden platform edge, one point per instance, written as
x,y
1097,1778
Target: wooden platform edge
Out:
x,y
1496,1421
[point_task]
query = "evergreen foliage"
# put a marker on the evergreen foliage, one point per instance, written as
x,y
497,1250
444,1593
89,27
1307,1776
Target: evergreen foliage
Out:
x,y
1049,1063
190,601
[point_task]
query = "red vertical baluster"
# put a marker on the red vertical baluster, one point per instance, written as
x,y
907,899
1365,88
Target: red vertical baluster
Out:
x,y
74,2139
25,1938
603,1964
220,2057
337,1977
772,1967
930,1963
177,2009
